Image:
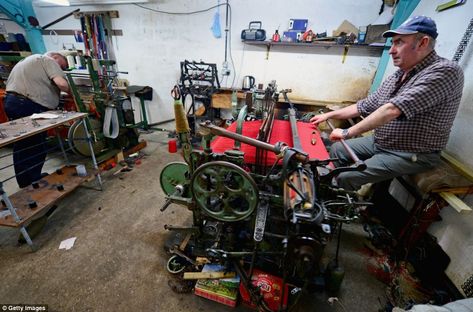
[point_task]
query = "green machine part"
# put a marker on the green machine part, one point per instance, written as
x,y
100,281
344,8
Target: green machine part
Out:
x,y
224,191
172,175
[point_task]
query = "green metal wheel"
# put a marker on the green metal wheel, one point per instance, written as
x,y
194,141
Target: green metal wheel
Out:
x,y
224,191
174,173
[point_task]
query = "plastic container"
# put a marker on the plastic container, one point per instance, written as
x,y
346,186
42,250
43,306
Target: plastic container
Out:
x,y
172,146
81,171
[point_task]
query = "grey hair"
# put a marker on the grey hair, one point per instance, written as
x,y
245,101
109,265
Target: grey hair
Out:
x,y
432,41
51,54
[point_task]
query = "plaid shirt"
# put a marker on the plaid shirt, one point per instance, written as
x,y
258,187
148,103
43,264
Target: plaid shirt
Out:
x,y
428,99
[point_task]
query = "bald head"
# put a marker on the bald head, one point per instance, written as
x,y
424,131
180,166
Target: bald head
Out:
x,y
59,58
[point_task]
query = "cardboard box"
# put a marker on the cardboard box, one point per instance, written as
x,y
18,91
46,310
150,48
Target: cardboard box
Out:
x,y
270,287
374,34
298,24
224,290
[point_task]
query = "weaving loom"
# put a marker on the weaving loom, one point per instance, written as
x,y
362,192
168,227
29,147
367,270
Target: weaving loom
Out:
x,y
261,198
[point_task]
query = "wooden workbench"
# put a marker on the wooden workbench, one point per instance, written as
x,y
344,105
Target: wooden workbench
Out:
x,y
34,200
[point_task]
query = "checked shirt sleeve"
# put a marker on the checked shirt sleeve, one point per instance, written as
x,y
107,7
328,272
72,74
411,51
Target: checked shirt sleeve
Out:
x,y
428,91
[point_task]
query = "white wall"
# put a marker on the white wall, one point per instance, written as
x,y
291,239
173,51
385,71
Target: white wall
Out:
x,y
153,44
455,231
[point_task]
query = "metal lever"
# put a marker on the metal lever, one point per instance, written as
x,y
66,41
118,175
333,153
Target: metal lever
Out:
x,y
359,163
179,190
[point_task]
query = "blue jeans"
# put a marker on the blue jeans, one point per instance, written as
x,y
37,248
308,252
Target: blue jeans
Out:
x,y
381,164
29,154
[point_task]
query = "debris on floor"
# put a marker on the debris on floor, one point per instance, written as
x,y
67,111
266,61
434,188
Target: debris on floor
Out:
x,y
67,243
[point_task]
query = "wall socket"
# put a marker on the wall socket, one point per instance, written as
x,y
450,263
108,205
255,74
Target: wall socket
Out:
x,y
225,70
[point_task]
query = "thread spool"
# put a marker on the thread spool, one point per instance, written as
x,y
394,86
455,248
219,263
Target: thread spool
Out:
x,y
172,146
182,124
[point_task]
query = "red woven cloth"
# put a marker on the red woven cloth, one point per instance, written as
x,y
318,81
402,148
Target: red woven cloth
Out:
x,y
281,133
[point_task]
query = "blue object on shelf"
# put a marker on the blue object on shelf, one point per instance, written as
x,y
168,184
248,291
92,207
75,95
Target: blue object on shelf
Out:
x,y
20,38
292,36
298,24
5,46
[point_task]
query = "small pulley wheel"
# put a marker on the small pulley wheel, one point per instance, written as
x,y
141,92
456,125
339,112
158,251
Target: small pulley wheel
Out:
x,y
224,191
176,264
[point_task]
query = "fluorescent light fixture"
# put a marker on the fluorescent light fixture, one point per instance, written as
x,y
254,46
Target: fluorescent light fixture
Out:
x,y
57,2
43,3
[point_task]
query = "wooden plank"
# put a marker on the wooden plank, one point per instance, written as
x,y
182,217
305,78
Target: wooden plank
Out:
x,y
45,196
208,275
222,100
458,165
455,202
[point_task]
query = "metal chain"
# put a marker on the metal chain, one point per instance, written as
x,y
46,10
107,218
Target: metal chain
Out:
x,y
463,42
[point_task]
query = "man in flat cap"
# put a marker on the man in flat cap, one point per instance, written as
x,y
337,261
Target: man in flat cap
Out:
x,y
411,113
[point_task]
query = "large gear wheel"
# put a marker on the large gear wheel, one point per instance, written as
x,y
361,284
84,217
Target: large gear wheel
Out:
x,y
224,191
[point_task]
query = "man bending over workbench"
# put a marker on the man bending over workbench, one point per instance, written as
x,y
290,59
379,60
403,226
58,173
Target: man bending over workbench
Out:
x,y
33,86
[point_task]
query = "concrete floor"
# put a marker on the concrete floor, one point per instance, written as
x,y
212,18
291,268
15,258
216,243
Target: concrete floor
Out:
x,y
118,260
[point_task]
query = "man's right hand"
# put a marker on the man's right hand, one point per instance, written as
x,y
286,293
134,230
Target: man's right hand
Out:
x,y
316,120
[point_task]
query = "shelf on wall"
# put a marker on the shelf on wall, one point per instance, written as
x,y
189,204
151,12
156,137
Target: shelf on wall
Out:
x,y
13,56
317,45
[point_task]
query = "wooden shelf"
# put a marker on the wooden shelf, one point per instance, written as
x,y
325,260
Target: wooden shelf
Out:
x,y
13,56
318,44
45,196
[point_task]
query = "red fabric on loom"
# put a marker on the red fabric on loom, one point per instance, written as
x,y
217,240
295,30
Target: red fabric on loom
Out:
x,y
281,133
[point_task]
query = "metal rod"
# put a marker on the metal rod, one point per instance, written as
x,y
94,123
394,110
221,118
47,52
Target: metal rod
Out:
x,y
92,154
62,147
60,19
12,209
226,30
235,136
345,145
296,141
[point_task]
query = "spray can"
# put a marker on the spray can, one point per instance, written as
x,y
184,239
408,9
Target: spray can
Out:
x,y
276,37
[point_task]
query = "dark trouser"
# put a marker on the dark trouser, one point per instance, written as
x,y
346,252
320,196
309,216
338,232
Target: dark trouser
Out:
x,y
29,154
381,164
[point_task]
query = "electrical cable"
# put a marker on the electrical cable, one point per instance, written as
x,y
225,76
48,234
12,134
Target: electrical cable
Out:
x,y
229,8
241,60
181,13
53,34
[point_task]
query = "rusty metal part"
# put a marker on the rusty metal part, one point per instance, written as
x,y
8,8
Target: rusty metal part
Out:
x,y
277,148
